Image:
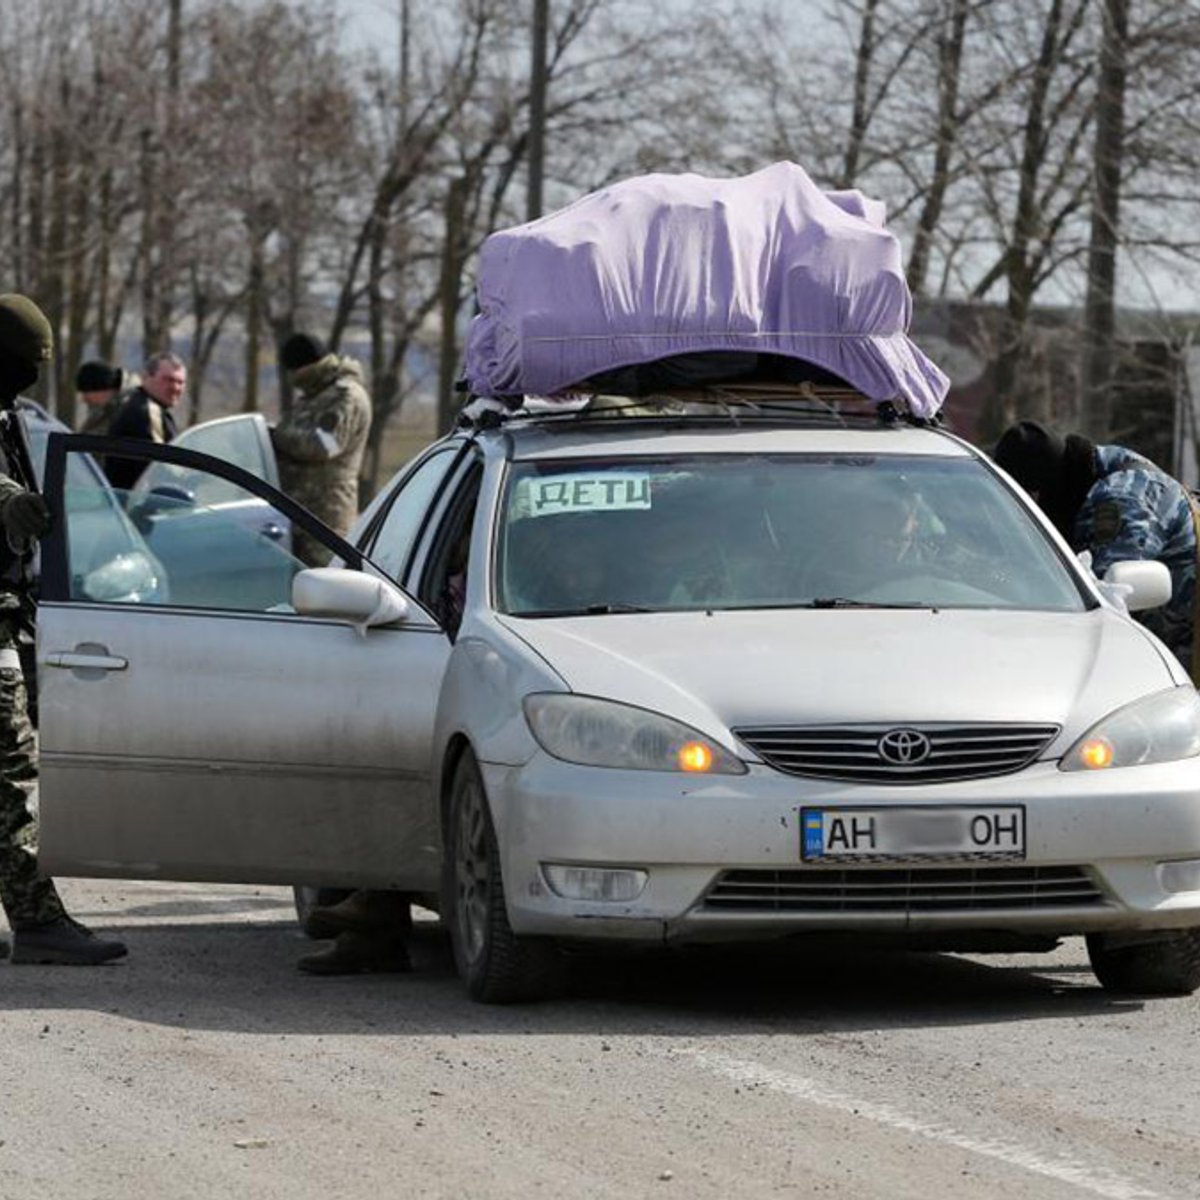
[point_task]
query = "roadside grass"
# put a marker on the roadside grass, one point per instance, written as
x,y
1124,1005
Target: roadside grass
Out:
x,y
401,443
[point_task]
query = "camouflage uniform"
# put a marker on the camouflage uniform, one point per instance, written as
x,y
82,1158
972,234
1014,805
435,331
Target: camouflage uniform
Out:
x,y
27,899
320,444
1136,511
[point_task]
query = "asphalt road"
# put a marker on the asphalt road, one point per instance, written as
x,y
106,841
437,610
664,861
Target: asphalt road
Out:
x,y
205,1065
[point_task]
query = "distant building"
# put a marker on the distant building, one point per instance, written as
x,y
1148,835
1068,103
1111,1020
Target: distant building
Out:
x,y
1155,386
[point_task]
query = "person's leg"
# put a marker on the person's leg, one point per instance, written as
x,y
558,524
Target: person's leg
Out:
x,y
42,931
365,910
371,929
27,899
355,952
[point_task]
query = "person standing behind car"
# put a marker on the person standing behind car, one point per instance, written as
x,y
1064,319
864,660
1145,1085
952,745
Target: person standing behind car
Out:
x,y
42,931
101,390
146,415
319,447
319,444
1119,506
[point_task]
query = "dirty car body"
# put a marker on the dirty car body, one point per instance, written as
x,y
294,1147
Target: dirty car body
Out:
x,y
654,681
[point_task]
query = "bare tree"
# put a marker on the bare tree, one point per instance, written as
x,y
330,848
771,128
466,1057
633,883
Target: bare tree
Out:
x,y
1099,307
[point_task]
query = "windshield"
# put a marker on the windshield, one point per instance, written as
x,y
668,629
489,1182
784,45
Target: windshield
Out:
x,y
770,531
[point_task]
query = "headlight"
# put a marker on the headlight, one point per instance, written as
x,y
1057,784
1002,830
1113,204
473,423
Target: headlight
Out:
x,y
1161,728
602,733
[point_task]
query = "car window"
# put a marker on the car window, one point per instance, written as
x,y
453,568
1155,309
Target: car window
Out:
x,y
443,586
117,565
229,555
236,440
397,531
769,531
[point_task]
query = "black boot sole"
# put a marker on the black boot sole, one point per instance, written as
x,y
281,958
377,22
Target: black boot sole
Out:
x,y
61,958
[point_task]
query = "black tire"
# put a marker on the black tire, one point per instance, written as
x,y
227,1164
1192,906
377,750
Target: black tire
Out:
x,y
306,898
497,966
1167,966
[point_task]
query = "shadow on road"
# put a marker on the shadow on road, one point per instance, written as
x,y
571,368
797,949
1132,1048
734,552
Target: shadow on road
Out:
x,y
241,977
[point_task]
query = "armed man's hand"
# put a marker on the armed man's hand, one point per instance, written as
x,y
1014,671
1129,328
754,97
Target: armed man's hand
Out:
x,y
26,517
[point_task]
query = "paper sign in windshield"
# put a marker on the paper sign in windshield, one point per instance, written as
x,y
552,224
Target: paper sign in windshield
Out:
x,y
607,492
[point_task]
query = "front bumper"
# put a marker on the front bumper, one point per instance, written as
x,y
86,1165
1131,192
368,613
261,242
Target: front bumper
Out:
x,y
686,832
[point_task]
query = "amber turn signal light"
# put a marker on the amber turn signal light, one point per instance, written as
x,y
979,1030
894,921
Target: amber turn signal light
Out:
x,y
695,756
1096,753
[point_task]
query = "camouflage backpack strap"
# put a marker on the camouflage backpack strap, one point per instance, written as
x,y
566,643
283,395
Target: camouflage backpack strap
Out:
x,y
1194,505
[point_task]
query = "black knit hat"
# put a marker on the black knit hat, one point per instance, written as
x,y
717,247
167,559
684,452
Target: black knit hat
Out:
x,y
300,350
97,376
1060,470
1031,454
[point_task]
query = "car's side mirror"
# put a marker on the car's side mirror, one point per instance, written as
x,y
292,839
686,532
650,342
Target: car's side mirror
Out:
x,y
167,497
1149,583
363,600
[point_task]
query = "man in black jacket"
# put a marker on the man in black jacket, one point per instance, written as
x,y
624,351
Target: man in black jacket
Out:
x,y
146,415
42,931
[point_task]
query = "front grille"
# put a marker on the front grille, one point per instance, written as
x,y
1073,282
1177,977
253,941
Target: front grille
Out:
x,y
925,889
851,752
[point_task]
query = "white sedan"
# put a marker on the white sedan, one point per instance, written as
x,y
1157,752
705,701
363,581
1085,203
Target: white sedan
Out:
x,y
697,676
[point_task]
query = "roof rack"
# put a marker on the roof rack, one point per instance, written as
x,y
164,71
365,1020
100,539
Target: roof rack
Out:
x,y
739,403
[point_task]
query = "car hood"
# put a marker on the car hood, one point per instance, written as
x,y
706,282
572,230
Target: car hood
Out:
x,y
797,667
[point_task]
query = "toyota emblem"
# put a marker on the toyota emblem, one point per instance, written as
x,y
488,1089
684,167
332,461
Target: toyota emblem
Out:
x,y
903,747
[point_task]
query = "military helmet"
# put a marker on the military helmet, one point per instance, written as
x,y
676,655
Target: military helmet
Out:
x,y
25,333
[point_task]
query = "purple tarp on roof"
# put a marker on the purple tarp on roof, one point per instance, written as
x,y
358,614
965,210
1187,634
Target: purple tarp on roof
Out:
x,y
673,264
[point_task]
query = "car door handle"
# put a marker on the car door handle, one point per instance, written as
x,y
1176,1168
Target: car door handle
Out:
x,y
74,660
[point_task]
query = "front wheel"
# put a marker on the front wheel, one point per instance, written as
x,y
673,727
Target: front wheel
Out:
x,y
497,966
1164,966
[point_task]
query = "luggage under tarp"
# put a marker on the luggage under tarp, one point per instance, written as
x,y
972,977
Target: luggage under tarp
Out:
x,y
664,266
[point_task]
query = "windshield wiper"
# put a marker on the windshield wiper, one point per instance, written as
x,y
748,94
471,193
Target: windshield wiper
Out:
x,y
846,602
587,610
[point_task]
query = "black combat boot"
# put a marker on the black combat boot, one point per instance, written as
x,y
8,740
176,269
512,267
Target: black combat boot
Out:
x,y
63,941
355,953
364,911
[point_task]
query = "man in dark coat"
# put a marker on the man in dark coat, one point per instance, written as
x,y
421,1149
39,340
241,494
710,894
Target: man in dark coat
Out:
x,y
42,931
146,415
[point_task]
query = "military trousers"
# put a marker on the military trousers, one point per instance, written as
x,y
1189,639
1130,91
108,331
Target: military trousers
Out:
x,y
27,898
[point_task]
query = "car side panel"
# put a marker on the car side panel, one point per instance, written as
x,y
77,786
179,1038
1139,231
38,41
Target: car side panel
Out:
x,y
238,747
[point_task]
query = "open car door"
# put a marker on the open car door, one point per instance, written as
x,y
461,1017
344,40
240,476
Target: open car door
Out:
x,y
194,725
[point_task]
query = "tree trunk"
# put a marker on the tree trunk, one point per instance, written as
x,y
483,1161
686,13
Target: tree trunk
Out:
x,y
166,218
106,337
451,286
864,59
54,288
1099,309
1005,403
151,333
950,48
254,309
537,109
79,282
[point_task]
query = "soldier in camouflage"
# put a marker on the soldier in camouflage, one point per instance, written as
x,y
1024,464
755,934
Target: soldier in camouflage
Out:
x,y
42,931
319,447
1118,505
319,444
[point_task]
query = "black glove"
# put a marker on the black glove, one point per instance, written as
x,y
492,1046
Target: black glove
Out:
x,y
26,516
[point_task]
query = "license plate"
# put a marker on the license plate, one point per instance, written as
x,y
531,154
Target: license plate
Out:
x,y
886,834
